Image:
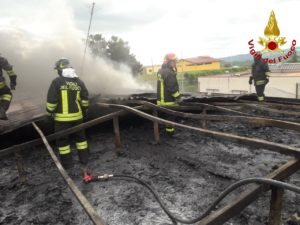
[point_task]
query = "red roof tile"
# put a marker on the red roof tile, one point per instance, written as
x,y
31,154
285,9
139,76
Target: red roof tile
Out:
x,y
201,60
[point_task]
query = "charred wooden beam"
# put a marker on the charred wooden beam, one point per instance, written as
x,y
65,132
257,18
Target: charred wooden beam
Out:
x,y
276,206
232,209
97,220
240,119
117,134
54,136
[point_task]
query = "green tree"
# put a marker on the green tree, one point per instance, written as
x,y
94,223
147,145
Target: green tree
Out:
x,y
115,49
118,50
98,45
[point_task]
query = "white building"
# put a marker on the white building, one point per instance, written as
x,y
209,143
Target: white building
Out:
x,y
281,85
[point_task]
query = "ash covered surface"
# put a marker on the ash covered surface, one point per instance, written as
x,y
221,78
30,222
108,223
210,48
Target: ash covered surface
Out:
x,y
188,170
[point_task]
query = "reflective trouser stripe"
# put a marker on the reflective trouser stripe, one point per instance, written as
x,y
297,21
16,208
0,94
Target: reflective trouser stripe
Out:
x,y
64,150
82,145
260,98
6,97
64,98
176,94
170,129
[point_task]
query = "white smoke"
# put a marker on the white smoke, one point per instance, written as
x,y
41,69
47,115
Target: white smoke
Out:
x,y
34,36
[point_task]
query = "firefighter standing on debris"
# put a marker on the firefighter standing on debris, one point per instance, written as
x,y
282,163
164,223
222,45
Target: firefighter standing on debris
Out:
x,y
67,104
260,75
5,91
167,85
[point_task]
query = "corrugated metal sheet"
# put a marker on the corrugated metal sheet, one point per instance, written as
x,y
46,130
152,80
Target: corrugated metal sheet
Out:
x,y
285,67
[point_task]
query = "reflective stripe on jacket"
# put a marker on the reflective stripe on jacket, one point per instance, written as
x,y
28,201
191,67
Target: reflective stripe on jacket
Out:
x,y
167,86
4,65
258,72
66,98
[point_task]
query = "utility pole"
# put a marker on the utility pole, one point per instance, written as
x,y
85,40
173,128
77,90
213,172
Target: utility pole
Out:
x,y
182,77
87,37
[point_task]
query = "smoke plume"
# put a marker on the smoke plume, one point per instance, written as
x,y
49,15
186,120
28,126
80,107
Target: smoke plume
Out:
x,y
33,39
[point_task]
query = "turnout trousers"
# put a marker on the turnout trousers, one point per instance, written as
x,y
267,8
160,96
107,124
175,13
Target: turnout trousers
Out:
x,y
64,147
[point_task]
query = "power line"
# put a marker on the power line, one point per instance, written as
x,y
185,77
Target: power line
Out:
x,y
87,37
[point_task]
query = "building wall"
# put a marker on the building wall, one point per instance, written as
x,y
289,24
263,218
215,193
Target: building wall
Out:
x,y
279,86
185,66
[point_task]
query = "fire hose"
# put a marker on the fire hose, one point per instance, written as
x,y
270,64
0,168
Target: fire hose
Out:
x,y
265,181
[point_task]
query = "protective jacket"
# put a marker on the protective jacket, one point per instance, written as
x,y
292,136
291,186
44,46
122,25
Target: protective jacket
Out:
x,y
259,70
4,65
67,98
167,86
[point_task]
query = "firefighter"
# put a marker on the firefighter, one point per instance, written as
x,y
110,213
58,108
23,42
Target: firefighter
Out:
x,y
167,85
67,104
5,91
260,75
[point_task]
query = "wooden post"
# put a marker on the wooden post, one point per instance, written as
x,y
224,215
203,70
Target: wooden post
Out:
x,y
276,206
117,135
204,121
297,90
20,166
156,127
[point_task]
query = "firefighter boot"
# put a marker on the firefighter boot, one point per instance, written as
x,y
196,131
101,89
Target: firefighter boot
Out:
x,y
66,160
3,114
83,156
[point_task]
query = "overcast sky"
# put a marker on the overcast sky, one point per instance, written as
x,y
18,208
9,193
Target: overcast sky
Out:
x,y
153,28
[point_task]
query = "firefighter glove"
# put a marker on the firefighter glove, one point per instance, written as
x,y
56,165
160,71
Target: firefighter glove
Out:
x,y
250,80
13,82
267,80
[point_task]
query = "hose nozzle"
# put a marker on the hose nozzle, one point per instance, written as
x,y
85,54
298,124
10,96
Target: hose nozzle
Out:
x,y
87,178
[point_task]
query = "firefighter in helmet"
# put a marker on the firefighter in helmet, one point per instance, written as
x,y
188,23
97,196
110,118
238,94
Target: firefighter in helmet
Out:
x,y
167,85
260,75
5,91
67,104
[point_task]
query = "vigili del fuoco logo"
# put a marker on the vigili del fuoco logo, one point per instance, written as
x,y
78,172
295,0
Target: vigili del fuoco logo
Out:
x,y
272,42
